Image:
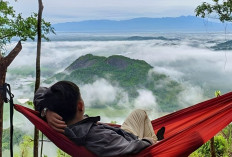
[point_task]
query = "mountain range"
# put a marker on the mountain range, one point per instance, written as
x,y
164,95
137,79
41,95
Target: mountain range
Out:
x,y
182,23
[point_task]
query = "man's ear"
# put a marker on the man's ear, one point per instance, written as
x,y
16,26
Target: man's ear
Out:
x,y
80,106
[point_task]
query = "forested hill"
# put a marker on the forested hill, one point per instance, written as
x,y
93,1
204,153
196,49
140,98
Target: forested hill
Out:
x,y
129,74
114,62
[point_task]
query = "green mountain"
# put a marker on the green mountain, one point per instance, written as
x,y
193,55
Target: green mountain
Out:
x,y
129,74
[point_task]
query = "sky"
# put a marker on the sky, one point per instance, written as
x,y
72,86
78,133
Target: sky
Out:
x,y
58,11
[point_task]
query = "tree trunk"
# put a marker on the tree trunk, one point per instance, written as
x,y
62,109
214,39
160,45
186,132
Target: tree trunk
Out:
x,y
2,81
212,147
4,63
37,82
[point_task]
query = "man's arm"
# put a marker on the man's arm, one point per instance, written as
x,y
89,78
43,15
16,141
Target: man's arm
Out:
x,y
106,142
53,119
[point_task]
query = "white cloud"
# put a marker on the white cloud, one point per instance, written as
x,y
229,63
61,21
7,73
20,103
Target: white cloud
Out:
x,y
169,71
100,91
146,100
72,10
191,95
22,101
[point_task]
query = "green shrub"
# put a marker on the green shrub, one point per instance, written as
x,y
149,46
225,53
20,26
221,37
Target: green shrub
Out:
x,y
221,148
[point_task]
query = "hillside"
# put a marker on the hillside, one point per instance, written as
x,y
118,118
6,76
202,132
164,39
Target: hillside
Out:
x,y
182,23
129,74
223,46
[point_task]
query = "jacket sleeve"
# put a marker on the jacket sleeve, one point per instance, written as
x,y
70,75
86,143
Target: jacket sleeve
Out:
x,y
38,99
109,143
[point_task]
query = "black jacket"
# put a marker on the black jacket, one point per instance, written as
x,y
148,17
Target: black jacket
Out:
x,y
104,140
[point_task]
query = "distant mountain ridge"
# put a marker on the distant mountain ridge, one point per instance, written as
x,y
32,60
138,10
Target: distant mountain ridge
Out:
x,y
182,23
223,46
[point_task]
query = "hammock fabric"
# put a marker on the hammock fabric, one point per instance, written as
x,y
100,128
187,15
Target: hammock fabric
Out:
x,y
186,129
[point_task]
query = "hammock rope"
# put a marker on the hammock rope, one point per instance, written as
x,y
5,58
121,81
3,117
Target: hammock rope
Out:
x,y
185,130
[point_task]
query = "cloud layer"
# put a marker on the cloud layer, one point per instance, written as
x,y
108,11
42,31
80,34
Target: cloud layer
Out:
x,y
72,10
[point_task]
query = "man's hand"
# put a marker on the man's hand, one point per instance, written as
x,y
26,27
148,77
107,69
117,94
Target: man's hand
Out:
x,y
55,121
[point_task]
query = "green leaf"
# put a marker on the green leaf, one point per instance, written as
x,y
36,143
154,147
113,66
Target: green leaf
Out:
x,y
14,25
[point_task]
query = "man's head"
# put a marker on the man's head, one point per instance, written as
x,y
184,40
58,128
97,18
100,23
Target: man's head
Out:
x,y
63,98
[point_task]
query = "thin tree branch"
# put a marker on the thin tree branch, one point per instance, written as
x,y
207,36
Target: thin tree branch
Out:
x,y
37,82
224,135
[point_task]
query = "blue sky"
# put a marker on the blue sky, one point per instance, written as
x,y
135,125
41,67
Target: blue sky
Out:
x,y
57,11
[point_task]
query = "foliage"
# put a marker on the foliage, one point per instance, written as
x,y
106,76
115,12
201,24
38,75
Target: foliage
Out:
x,y
222,9
30,103
227,134
18,137
221,146
26,146
60,153
113,122
14,25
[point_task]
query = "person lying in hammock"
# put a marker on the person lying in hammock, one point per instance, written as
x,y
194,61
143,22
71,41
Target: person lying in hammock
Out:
x,y
63,108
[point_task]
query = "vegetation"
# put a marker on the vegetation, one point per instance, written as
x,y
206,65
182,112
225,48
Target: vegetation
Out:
x,y
60,153
26,146
18,137
14,25
220,9
222,142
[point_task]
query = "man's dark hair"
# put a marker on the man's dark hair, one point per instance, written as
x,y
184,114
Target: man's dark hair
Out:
x,y
62,98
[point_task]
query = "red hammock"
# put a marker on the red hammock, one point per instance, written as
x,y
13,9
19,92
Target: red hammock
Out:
x,y
186,129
